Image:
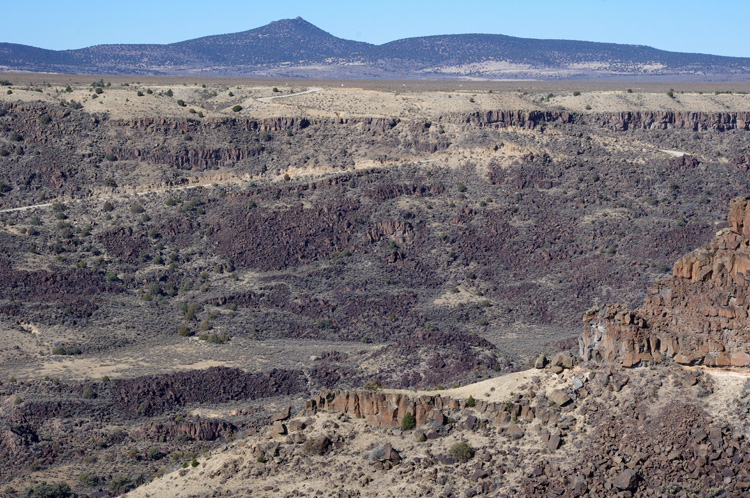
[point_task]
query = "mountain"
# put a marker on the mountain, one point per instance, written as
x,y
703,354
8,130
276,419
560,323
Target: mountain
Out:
x,y
296,48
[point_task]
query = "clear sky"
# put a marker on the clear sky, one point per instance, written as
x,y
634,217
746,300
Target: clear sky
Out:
x,y
703,26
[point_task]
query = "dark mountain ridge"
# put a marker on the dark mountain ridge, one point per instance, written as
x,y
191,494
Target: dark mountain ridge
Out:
x,y
295,47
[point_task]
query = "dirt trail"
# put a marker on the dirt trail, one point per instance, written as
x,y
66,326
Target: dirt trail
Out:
x,y
312,89
198,182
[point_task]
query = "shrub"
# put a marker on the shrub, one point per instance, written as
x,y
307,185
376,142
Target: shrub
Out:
x,y
139,93
373,385
670,93
88,479
237,108
109,156
44,490
120,484
169,93
192,204
185,331
155,454
4,152
88,393
99,91
461,187
576,93
70,351
408,422
45,119
136,209
181,103
462,451
110,182
215,338
470,402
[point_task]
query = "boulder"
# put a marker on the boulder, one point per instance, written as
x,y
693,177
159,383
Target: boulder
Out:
x,y
514,432
563,360
540,362
554,442
278,428
282,414
627,480
296,426
559,397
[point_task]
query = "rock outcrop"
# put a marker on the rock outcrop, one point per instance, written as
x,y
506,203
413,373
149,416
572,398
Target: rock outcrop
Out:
x,y
699,316
387,410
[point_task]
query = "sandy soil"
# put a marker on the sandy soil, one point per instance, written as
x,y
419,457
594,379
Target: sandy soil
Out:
x,y
258,100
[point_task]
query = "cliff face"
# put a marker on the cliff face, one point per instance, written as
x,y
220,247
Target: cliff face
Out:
x,y
618,121
699,316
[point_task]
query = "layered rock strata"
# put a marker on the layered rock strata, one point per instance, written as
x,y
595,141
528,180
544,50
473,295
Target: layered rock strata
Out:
x,y
699,316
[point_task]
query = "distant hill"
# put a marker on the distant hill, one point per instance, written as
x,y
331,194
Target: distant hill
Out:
x,y
296,48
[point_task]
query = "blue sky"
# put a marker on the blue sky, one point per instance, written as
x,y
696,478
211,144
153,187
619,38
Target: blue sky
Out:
x,y
678,25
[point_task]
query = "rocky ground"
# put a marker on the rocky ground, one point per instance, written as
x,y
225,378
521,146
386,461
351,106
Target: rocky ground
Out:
x,y
174,271
593,430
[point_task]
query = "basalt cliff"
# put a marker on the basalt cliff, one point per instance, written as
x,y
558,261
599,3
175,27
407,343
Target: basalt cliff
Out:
x,y
699,316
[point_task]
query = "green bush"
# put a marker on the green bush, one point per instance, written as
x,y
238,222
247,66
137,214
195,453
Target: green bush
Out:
x,y
44,490
185,331
69,351
120,484
215,338
88,479
462,451
461,187
181,103
169,93
237,108
470,402
155,454
408,422
137,209
88,392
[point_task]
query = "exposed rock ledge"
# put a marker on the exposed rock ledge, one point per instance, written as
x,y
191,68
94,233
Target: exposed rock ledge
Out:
x,y
699,316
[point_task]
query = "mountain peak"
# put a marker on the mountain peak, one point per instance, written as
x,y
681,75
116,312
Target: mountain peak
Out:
x,y
296,47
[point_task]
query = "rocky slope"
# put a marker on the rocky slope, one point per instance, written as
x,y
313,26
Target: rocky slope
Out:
x,y
593,431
